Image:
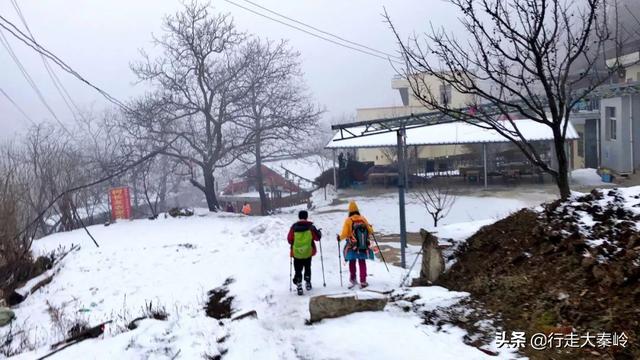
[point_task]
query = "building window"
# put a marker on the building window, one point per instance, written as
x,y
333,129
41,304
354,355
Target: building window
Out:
x,y
580,144
611,123
445,94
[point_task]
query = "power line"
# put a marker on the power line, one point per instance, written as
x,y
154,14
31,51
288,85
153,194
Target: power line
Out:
x,y
52,75
321,31
312,34
17,33
17,106
29,79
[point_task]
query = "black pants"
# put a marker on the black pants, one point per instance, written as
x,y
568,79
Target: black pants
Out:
x,y
299,265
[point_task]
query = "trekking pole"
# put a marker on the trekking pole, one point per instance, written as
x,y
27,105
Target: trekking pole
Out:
x,y
380,251
339,261
324,283
290,268
411,268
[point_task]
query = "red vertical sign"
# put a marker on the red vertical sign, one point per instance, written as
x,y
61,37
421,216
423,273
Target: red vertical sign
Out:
x,y
120,203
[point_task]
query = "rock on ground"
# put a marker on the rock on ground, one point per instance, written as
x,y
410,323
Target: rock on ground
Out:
x,y
6,315
332,306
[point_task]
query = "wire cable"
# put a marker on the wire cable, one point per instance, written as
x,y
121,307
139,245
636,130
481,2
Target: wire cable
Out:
x,y
313,34
52,75
25,74
20,35
321,31
17,106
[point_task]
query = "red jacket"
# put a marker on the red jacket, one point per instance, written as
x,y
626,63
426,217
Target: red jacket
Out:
x,y
304,225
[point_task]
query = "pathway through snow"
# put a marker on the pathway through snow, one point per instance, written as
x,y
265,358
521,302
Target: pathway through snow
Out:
x,y
142,261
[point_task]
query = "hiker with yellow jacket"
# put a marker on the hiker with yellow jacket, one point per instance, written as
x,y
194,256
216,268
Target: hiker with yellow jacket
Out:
x,y
356,230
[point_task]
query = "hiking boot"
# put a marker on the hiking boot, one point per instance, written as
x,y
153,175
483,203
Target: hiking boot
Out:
x,y
308,285
299,288
364,285
352,284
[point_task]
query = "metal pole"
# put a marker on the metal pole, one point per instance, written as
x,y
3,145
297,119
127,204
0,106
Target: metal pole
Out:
x,y
401,189
484,156
324,282
407,159
569,152
339,261
379,251
335,176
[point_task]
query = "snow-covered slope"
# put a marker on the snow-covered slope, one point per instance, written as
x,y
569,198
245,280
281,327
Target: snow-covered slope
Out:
x,y
174,262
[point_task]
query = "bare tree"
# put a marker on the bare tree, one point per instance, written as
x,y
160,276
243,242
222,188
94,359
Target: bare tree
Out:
x,y
322,158
15,248
523,58
105,148
436,198
390,153
197,82
157,178
46,164
278,115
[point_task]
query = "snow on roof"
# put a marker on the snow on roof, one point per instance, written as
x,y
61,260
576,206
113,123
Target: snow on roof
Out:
x,y
449,133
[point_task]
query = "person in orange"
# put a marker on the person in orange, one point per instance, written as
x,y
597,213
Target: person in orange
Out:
x,y
246,209
356,230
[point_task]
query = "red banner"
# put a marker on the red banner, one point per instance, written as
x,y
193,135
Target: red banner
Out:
x,y
120,203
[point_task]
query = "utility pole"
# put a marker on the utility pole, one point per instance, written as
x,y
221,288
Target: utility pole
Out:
x,y
401,139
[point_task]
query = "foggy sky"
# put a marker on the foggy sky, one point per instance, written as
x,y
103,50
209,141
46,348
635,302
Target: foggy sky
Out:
x,y
101,38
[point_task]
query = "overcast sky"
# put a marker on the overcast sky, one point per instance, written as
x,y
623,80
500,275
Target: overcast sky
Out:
x,y
101,38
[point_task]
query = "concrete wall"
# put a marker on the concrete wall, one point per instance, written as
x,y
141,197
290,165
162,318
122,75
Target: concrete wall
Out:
x,y
387,112
424,152
373,154
632,73
616,154
578,160
425,82
635,118
411,106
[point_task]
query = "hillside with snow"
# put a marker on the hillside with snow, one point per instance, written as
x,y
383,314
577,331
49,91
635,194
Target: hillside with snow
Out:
x,y
172,263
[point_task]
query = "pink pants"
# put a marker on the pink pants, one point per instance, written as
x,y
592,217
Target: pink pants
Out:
x,y
363,270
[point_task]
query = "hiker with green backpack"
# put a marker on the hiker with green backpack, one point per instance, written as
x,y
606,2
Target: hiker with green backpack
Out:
x,y
302,237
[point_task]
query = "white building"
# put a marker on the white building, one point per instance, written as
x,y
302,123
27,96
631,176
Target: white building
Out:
x,y
412,105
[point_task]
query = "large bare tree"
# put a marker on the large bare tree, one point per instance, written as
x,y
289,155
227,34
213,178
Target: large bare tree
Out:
x,y
278,115
533,59
197,91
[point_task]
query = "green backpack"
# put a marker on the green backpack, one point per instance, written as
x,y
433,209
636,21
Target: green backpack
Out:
x,y
302,244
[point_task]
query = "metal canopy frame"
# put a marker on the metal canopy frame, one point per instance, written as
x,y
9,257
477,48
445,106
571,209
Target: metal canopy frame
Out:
x,y
385,125
378,126
615,90
400,125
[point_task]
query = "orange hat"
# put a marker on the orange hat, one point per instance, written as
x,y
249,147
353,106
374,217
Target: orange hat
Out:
x,y
352,206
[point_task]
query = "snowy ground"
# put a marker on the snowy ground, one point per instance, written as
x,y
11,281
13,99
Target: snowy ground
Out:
x,y
383,213
174,262
587,177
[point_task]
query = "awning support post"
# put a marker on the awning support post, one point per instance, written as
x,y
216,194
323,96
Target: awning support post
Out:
x,y
335,176
401,190
484,158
